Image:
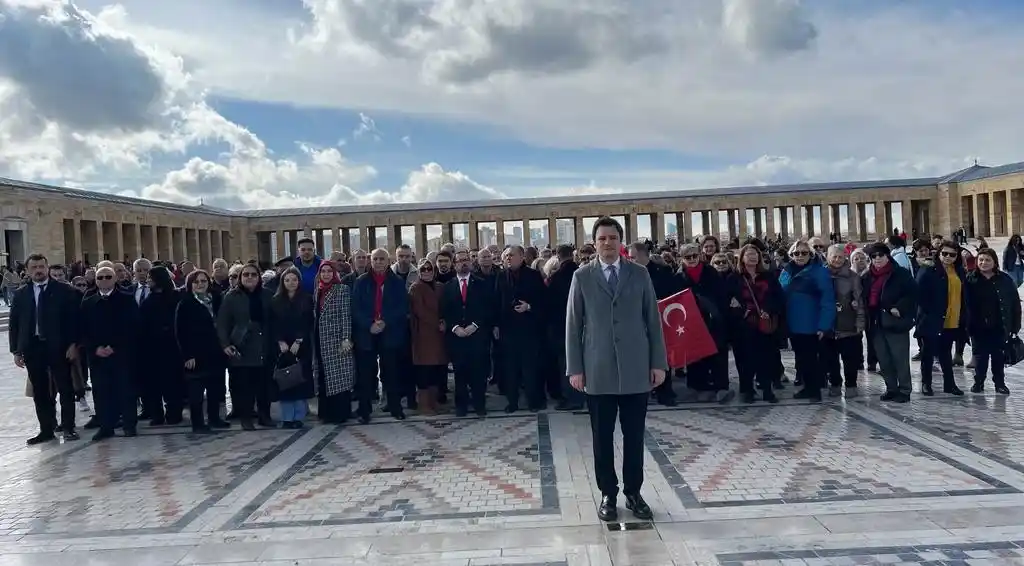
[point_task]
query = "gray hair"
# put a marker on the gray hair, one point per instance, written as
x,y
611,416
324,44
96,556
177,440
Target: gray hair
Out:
x,y
141,262
836,248
551,266
689,248
800,242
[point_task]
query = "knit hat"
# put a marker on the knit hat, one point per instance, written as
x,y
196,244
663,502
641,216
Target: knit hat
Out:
x,y
877,248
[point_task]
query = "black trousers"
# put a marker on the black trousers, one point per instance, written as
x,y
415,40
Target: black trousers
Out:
x,y
848,350
570,394
406,374
631,411
113,392
872,358
756,354
522,371
206,385
989,346
369,363
665,392
709,374
250,386
807,354
165,383
470,360
44,363
938,347
431,376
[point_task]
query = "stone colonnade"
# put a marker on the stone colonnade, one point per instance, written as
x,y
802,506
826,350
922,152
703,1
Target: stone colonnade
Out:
x,y
500,225
95,240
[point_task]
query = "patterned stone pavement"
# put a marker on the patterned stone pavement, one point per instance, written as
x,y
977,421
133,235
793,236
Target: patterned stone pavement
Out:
x,y
847,482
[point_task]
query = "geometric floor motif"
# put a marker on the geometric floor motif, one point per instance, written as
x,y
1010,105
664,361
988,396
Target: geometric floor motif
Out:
x,y
967,554
990,426
148,484
736,456
413,471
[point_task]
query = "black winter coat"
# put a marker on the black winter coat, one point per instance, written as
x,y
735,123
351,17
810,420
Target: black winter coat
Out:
x,y
899,292
196,332
1005,293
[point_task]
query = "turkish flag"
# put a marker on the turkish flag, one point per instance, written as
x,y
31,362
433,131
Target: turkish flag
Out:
x,y
687,338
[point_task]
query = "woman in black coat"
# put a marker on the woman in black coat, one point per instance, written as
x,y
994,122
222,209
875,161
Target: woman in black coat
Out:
x,y
159,360
710,376
291,327
995,316
941,317
195,329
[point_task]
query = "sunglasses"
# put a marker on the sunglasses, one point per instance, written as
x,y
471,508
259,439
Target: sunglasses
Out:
x,y
720,262
691,256
250,274
819,248
426,269
878,254
800,253
949,254
104,277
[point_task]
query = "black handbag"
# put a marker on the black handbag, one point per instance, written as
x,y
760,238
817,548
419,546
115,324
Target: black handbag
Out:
x,y
289,376
1013,351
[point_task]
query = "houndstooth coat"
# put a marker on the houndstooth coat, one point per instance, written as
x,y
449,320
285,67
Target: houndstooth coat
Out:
x,y
333,370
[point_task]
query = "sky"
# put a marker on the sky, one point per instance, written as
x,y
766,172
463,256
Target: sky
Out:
x,y
247,104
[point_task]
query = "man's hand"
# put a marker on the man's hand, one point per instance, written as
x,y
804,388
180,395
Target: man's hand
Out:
x,y
19,360
577,381
282,345
190,363
522,307
294,349
895,312
657,377
441,326
497,335
231,351
377,327
470,330
346,346
72,353
459,331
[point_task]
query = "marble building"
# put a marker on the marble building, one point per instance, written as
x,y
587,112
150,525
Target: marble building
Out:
x,y
69,224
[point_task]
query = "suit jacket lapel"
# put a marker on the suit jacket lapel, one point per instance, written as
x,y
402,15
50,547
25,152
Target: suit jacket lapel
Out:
x,y
601,280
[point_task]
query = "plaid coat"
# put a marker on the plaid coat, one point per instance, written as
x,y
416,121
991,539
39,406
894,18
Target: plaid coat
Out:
x,y
333,323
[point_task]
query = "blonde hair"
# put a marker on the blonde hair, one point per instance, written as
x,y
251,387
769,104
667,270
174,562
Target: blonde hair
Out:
x,y
551,266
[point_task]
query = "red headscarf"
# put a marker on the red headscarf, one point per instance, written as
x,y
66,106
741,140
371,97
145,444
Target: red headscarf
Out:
x,y
323,288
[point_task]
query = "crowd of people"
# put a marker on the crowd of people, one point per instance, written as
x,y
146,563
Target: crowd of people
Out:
x,y
352,331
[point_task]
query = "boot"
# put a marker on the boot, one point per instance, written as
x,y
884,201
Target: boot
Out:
x,y
428,401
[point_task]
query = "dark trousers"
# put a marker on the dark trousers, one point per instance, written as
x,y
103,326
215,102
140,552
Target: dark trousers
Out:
x,y
846,349
938,347
43,364
631,411
406,375
665,392
370,362
165,388
570,395
755,355
113,393
989,345
431,376
204,385
709,374
470,360
872,357
497,364
522,372
250,387
807,354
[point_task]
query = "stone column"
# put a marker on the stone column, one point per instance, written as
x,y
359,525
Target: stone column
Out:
x,y
769,222
137,249
714,224
990,200
1011,211
473,227
74,241
318,240
853,222
881,228
632,229
582,236
193,253
907,217
526,233
684,226
552,232
798,222
447,233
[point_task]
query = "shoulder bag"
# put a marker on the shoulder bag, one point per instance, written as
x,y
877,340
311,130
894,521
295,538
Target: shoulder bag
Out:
x,y
765,325
288,376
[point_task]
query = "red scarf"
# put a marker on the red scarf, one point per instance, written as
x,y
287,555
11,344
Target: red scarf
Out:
x,y
378,299
881,276
322,290
694,272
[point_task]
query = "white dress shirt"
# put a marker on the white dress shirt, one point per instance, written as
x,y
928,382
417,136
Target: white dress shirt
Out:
x,y
605,268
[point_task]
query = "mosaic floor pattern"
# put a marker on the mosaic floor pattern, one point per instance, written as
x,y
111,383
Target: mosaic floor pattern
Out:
x,y
158,484
969,554
415,471
792,454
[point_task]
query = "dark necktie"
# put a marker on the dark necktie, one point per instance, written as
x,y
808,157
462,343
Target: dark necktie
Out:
x,y
613,277
463,284
39,311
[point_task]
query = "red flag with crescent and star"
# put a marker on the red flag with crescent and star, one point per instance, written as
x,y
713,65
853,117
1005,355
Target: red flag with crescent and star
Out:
x,y
687,338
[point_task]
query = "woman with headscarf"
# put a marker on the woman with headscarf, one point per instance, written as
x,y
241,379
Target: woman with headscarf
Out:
x,y
195,329
244,336
429,359
333,362
159,359
291,325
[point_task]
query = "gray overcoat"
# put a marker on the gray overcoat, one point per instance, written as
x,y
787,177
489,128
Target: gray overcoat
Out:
x,y
613,339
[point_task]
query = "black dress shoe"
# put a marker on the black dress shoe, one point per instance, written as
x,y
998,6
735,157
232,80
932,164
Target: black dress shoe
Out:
x,y
364,419
71,435
511,409
769,397
247,424
93,423
398,414
481,412
978,387
607,512
220,424
926,390
266,422
102,435
952,390
889,395
1002,390
461,411
203,430
41,438
130,433
668,401
639,507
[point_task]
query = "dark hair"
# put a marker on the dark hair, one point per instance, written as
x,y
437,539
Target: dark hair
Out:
x,y
896,241
58,266
564,251
445,253
191,278
36,257
990,253
709,237
922,243
606,221
282,292
953,246
305,241
161,278
761,267
644,246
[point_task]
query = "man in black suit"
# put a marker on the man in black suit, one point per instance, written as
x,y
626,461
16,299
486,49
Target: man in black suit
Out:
x,y
43,331
520,329
107,324
466,308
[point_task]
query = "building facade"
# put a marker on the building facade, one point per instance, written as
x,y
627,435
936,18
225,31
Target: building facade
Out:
x,y
71,224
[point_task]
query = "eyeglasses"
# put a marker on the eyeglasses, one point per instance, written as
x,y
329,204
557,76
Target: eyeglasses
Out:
x,y
104,277
426,269
949,254
878,254
198,281
819,248
232,276
691,256
720,262
800,253
250,274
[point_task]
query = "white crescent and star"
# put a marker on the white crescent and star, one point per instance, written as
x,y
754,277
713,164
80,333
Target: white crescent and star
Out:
x,y
680,330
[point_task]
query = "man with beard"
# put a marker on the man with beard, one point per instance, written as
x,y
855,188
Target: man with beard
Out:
x,y
466,308
403,267
43,338
308,264
444,266
360,263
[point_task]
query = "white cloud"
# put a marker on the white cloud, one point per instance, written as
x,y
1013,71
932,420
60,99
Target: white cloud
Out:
x,y
367,128
407,141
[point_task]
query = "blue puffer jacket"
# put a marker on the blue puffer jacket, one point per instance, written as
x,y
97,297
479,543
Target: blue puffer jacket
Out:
x,y
810,298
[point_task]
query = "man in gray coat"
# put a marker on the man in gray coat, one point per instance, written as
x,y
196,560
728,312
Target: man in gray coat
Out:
x,y
615,353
